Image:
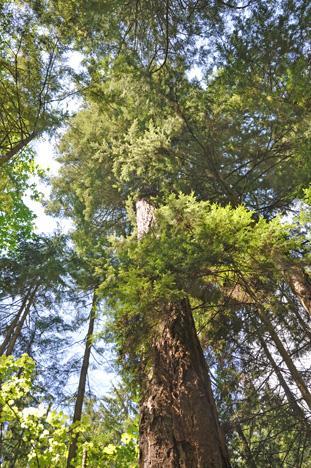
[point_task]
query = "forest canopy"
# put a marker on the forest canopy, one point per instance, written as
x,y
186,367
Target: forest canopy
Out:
x,y
185,173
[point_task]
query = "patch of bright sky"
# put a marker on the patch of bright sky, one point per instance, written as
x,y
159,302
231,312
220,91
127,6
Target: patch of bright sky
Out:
x,y
45,157
45,223
101,379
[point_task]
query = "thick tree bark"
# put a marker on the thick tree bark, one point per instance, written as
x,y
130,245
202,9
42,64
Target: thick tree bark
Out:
x,y
178,419
179,426
82,382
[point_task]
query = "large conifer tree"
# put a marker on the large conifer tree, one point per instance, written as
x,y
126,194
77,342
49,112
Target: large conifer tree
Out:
x,y
146,138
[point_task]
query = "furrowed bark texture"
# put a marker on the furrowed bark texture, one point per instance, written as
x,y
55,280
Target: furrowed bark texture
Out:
x,y
178,421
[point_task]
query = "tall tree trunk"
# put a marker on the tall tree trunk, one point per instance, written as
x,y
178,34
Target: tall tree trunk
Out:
x,y
297,279
84,458
306,395
178,420
10,329
82,381
297,411
21,322
286,357
302,322
20,145
248,453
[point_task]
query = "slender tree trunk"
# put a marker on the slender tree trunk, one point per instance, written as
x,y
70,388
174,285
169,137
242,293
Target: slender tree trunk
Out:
x,y
302,323
82,382
21,322
297,279
84,458
178,420
247,450
14,323
10,154
306,395
297,411
287,359
301,320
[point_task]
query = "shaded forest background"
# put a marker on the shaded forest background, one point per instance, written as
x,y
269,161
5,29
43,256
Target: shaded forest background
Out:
x,y
190,205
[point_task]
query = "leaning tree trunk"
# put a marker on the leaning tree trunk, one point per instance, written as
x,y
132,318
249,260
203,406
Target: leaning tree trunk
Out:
x,y
297,411
82,383
19,146
295,374
248,453
297,278
13,324
302,322
178,420
20,324
250,290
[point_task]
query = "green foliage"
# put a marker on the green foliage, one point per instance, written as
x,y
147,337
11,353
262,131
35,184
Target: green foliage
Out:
x,y
32,72
123,455
35,281
263,64
31,435
239,141
229,143
16,219
119,142
111,433
31,68
38,437
41,259
194,249
194,241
